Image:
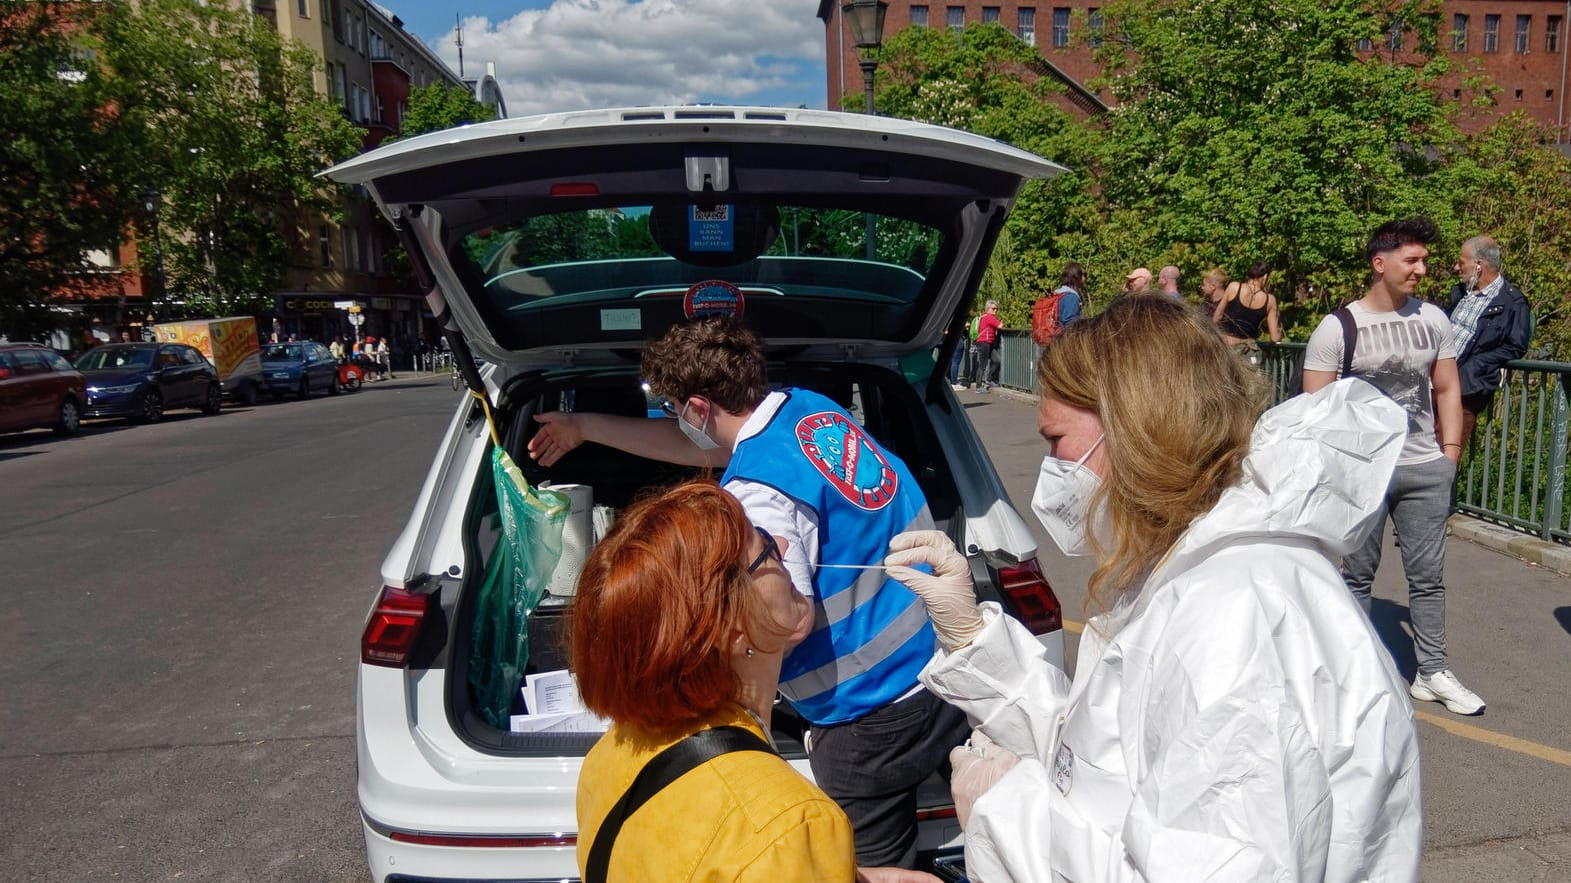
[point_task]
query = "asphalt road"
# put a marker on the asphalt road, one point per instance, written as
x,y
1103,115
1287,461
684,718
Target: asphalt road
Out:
x,y
180,635
186,601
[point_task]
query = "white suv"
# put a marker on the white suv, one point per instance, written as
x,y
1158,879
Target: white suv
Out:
x,y
554,247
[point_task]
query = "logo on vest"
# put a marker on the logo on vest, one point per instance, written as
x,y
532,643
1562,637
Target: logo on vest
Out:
x,y
848,458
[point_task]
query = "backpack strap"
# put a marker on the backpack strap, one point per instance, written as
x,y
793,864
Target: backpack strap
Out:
x,y
661,770
1349,339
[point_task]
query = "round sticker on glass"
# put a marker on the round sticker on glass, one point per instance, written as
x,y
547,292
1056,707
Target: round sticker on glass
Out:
x,y
713,297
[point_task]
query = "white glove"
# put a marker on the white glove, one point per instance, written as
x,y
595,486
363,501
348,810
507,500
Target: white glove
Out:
x,y
977,766
947,592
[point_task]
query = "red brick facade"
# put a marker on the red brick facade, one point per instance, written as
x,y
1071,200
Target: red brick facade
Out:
x,y
1525,56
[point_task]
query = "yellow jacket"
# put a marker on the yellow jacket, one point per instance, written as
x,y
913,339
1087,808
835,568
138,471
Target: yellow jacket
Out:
x,y
742,816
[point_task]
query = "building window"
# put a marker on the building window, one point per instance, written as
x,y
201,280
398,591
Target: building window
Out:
x,y
1491,33
1025,25
1459,33
1524,24
955,17
919,16
341,85
1519,94
1365,44
325,238
352,237
1394,36
1060,27
1552,34
1094,24
989,14
305,8
1549,95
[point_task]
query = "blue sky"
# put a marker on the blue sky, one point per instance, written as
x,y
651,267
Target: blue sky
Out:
x,y
555,55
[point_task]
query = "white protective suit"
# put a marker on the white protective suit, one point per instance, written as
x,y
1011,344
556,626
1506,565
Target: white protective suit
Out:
x,y
1237,718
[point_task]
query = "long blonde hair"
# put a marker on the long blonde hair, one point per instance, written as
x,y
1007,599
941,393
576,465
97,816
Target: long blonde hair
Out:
x,y
1177,407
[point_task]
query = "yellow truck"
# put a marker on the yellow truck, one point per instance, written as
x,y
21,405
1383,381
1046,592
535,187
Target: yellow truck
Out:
x,y
230,344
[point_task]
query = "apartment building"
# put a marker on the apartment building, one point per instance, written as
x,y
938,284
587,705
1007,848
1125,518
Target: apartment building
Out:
x,y
1519,45
370,65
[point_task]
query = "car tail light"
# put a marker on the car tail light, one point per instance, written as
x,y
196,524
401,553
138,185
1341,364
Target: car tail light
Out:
x,y
937,812
475,840
1033,599
394,627
575,188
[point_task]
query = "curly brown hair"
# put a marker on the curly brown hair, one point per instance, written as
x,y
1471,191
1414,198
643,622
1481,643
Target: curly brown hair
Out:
x,y
717,358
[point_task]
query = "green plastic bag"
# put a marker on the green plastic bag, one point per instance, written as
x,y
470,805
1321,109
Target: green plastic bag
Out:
x,y
515,578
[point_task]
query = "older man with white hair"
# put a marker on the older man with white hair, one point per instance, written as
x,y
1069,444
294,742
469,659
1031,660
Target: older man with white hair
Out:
x,y
1491,324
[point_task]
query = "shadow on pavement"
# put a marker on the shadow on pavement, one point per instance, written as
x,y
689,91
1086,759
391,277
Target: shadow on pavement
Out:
x,y
1563,616
1391,620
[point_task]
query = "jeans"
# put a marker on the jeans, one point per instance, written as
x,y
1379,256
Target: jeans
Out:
x,y
873,765
1418,501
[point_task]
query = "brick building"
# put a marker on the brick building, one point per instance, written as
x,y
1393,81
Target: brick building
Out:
x,y
1519,44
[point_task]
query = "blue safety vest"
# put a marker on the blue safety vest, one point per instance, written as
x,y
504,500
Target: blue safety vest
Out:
x,y
871,635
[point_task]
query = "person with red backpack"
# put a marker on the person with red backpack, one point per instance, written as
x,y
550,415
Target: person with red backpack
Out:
x,y
1050,314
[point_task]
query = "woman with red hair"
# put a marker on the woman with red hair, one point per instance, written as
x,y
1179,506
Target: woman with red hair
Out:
x,y
682,615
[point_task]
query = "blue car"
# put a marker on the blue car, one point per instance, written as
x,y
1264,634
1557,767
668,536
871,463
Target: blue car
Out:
x,y
143,380
298,367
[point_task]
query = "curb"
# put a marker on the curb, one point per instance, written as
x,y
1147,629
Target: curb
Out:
x,y
1512,542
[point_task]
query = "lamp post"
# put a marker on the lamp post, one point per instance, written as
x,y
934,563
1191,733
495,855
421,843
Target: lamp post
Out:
x,y
152,201
866,19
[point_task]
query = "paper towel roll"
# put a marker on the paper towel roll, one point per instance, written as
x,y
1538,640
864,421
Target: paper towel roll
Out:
x,y
577,538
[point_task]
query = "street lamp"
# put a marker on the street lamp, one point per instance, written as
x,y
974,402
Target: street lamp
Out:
x,y
152,201
866,18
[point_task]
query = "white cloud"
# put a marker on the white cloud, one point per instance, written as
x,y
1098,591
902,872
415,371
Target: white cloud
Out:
x,y
611,53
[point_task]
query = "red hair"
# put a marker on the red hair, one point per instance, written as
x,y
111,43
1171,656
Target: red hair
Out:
x,y
659,600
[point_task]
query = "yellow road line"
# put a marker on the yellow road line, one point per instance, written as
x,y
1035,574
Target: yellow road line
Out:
x,y
1499,740
1457,728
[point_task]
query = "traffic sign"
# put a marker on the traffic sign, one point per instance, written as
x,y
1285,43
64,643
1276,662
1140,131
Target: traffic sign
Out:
x,y
343,305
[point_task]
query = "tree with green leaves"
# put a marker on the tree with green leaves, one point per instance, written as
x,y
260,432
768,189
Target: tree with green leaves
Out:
x,y
230,130
439,106
63,160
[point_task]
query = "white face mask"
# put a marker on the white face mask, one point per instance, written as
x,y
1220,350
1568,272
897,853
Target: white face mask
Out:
x,y
1062,501
695,434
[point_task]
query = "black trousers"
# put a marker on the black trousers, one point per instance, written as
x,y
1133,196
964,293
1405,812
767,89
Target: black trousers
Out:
x,y
872,767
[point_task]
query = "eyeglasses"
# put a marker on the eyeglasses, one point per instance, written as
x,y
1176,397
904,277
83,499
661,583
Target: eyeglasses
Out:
x,y
771,550
668,407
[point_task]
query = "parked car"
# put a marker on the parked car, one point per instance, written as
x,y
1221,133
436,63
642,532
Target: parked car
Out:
x,y
561,244
39,388
143,380
298,367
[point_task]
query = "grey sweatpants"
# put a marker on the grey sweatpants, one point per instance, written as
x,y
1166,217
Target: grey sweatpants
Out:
x,y
1418,501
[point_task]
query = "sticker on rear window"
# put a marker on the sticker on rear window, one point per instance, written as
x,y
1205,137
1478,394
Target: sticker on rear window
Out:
x,y
621,320
713,297
711,229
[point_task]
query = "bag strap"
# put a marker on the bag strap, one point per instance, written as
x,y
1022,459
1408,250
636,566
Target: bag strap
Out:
x,y
1349,339
663,769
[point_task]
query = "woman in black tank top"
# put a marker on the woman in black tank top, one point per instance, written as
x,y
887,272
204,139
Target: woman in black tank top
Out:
x,y
1244,308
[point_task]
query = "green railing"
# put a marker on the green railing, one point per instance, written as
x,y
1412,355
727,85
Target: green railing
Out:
x,y
1514,473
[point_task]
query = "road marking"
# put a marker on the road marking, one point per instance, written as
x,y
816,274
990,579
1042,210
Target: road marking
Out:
x,y
1499,740
1457,728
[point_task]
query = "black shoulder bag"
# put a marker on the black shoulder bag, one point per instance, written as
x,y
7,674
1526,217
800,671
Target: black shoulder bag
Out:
x,y
661,770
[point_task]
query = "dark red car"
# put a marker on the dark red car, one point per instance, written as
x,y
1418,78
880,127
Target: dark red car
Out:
x,y
39,388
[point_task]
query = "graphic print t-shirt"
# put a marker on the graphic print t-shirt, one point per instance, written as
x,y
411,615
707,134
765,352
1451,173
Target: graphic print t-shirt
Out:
x,y
1395,351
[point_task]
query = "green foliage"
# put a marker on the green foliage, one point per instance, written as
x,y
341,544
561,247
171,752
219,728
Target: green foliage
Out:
x,y
436,107
231,131
62,160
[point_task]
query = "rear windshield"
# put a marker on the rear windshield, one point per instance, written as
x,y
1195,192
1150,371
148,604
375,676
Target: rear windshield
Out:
x,y
282,352
605,273
115,357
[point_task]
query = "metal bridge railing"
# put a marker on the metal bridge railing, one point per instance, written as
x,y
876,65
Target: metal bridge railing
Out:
x,y
1513,473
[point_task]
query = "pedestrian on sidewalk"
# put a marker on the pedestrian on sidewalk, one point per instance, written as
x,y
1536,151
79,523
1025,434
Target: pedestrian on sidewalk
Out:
x,y
1491,324
1405,347
987,347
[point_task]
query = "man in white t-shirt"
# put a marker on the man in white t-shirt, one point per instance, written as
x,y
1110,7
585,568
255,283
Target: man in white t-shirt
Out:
x,y
1403,346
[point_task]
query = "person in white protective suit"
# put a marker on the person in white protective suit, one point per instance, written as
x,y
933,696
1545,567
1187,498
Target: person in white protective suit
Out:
x,y
1233,714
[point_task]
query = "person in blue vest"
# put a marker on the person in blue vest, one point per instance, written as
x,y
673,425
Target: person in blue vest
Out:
x,y
804,470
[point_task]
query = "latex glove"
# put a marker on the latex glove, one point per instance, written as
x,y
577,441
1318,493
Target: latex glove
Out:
x,y
977,766
947,592
559,433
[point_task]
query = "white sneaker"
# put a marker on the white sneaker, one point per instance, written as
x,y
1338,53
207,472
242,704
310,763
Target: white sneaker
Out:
x,y
958,387
1443,687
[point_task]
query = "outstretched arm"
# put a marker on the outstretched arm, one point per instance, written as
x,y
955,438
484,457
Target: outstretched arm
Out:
x,y
658,439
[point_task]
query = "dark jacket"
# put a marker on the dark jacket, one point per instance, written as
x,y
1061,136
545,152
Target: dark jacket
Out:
x,y
1502,335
